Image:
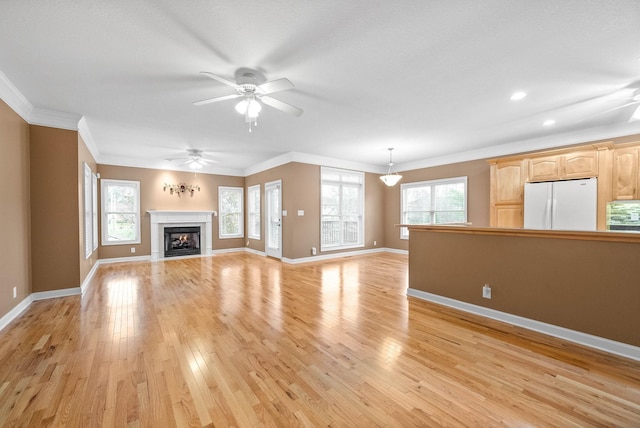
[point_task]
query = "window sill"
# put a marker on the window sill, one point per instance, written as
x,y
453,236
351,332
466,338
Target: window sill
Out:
x,y
342,247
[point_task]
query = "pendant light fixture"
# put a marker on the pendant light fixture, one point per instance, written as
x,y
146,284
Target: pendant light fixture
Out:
x,y
390,178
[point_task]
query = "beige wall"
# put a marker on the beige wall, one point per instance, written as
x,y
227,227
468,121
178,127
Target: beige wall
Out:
x,y
54,209
587,286
301,191
477,173
153,197
14,209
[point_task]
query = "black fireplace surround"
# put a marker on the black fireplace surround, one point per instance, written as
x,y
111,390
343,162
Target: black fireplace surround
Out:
x,y
181,241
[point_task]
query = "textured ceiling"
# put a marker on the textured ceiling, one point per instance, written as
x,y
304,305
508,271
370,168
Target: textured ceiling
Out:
x,y
430,78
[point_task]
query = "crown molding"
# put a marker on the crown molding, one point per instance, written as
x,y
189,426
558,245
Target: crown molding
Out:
x,y
531,145
35,115
14,98
313,160
54,119
87,137
165,166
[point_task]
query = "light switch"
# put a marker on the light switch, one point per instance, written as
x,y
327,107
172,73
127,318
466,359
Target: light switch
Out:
x,y
284,213
300,213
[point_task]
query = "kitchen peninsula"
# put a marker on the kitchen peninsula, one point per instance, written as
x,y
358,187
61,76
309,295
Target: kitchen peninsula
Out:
x,y
581,286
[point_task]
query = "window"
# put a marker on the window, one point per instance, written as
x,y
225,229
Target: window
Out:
x,y
342,211
434,202
230,200
88,212
253,211
120,212
94,180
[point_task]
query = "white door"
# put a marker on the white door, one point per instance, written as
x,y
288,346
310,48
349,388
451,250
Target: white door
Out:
x,y
273,227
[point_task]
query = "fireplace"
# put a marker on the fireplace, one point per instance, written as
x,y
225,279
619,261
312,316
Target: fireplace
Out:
x,y
161,219
181,241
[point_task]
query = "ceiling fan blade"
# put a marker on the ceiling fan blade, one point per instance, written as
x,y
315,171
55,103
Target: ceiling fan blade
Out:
x,y
635,116
220,79
281,105
217,99
609,111
276,86
206,160
175,159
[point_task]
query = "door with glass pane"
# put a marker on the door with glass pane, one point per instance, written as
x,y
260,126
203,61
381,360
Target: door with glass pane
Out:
x,y
273,209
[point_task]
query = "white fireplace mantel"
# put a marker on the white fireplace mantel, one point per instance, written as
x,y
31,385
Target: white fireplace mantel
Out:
x,y
161,218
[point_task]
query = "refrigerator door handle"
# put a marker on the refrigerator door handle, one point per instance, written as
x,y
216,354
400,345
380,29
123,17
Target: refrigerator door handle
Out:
x,y
553,213
547,214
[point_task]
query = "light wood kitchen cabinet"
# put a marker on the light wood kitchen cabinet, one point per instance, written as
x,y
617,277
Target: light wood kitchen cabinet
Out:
x,y
508,180
544,168
507,193
509,215
625,173
579,164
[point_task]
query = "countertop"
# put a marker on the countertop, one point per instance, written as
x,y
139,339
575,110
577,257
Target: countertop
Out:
x,y
532,233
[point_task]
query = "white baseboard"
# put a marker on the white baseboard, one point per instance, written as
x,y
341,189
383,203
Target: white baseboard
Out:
x,y
329,256
256,252
596,342
396,251
230,250
124,259
89,277
13,313
43,295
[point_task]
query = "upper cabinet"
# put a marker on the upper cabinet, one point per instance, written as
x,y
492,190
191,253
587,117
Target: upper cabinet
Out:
x,y
507,193
509,179
625,173
578,164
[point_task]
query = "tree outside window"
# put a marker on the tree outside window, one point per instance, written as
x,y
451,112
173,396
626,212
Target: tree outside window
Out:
x,y
120,212
231,212
433,202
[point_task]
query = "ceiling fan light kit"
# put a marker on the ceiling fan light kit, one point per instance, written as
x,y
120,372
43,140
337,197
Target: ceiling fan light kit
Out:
x,y
250,86
195,159
391,178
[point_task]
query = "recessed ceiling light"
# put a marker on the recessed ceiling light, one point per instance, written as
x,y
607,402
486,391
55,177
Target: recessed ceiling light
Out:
x,y
518,96
548,122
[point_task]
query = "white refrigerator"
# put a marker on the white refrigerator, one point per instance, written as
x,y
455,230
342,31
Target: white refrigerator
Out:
x,y
561,205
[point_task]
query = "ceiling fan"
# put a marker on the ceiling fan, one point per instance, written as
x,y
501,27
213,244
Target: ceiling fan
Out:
x,y
194,159
252,88
633,99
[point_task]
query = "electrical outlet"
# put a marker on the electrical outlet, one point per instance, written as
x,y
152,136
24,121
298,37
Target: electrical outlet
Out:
x,y
375,243
248,242
133,250
15,292
313,251
486,291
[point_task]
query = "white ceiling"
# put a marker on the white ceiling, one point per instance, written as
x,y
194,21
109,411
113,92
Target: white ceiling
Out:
x,y
430,78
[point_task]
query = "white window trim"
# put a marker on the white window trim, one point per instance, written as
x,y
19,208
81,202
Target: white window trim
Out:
x,y
404,232
250,190
221,213
94,197
88,211
103,184
360,244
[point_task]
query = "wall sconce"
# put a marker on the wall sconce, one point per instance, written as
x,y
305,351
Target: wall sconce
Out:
x,y
181,188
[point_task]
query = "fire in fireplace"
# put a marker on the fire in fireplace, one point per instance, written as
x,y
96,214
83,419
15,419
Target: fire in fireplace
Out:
x,y
181,241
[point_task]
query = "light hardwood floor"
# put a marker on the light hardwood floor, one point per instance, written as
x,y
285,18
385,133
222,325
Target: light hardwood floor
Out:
x,y
246,341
